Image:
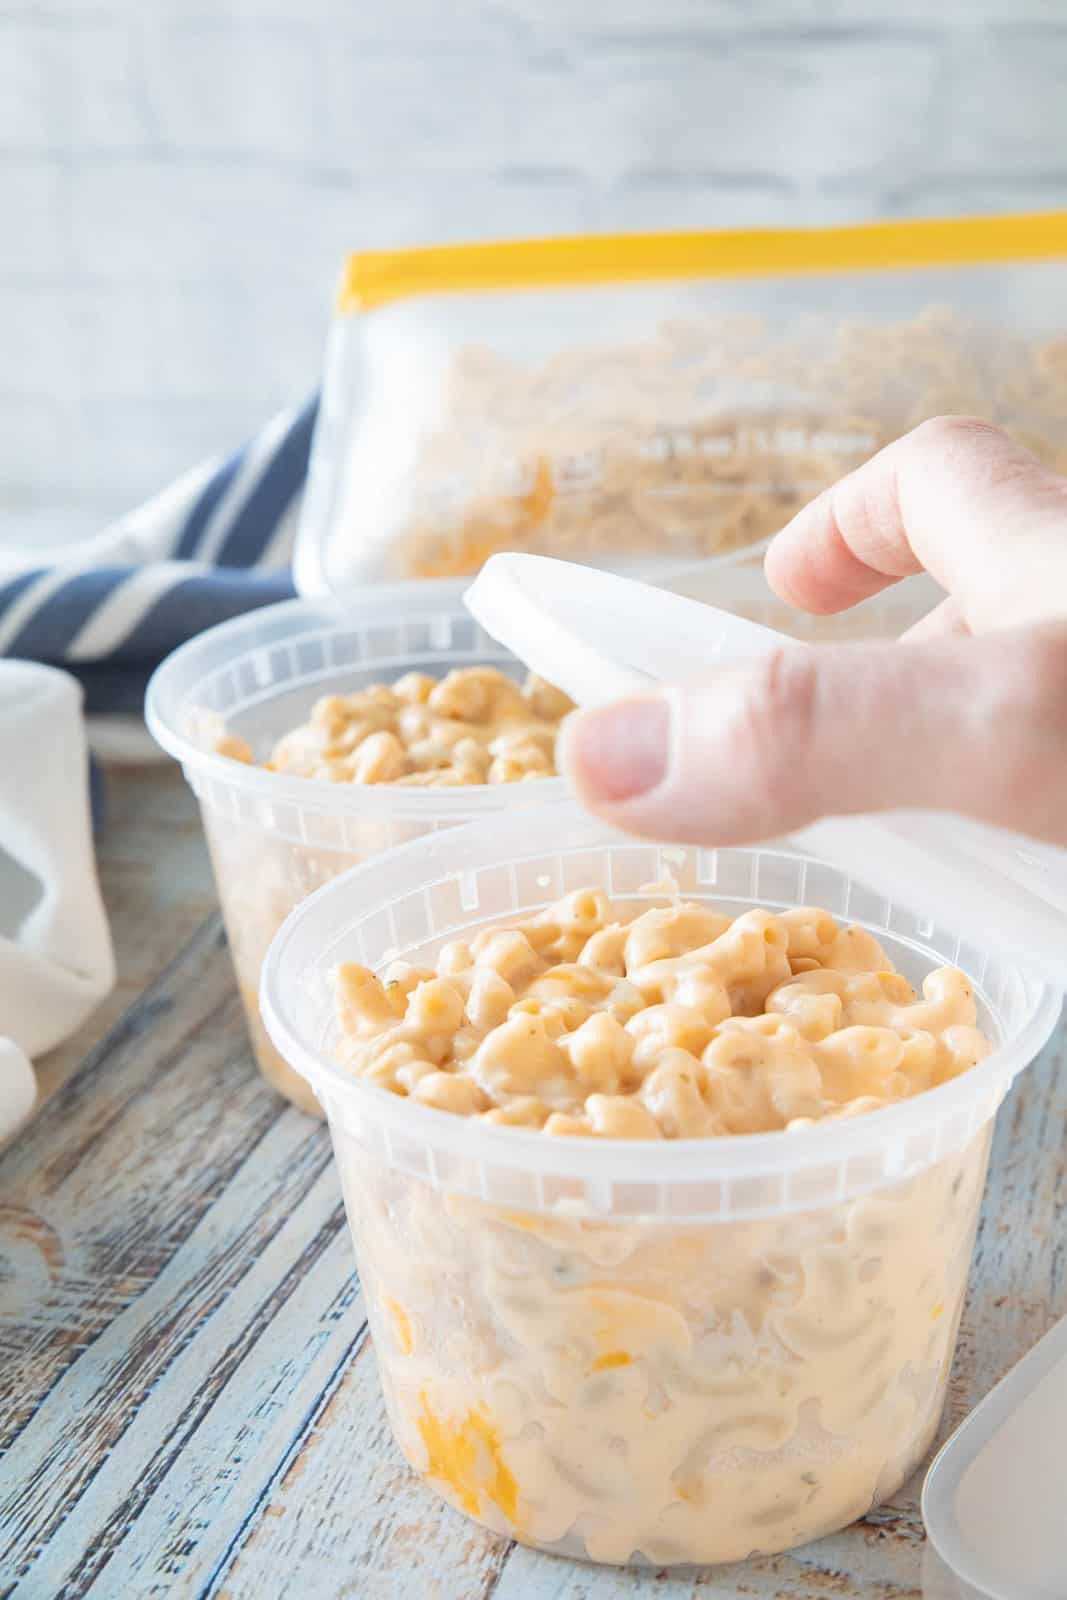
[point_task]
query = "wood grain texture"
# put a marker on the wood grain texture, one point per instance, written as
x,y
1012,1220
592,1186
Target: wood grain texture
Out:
x,y
189,1404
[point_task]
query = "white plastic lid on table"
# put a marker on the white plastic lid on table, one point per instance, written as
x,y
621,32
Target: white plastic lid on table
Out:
x,y
600,637
993,1501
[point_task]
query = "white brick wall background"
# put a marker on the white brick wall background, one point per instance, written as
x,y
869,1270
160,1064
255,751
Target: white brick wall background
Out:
x,y
180,181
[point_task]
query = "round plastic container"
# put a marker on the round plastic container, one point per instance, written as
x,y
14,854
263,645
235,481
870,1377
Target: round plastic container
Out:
x,y
672,1352
273,837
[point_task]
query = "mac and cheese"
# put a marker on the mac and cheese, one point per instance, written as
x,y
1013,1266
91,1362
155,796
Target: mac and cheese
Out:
x,y
655,1389
474,726
677,1023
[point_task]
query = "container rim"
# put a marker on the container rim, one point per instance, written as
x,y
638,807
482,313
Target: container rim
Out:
x,y
758,1155
176,676
175,681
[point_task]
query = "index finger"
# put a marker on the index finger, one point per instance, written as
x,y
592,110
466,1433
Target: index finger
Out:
x,y
956,498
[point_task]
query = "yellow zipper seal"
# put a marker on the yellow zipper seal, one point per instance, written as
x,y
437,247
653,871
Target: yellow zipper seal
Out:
x,y
375,278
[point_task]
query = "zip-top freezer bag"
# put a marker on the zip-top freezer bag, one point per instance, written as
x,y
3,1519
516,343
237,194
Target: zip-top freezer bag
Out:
x,y
644,401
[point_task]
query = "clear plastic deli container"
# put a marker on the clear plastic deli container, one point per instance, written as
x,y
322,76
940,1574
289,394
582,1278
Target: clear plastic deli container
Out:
x,y
274,837
684,1351
678,1351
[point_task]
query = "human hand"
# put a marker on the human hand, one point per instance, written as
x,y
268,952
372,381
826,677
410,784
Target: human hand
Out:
x,y
967,713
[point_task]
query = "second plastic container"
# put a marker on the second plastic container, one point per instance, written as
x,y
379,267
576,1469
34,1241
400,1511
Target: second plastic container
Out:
x,y
273,837
673,1352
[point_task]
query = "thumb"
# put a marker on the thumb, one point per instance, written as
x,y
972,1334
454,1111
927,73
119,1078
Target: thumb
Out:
x,y
976,725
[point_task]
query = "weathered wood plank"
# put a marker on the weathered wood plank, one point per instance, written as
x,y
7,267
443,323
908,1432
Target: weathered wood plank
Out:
x,y
353,1521
182,1207
530,1576
1018,1282
124,1413
192,1465
119,1168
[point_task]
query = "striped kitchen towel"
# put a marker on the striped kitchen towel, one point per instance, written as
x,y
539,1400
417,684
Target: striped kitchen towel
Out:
x,y
215,544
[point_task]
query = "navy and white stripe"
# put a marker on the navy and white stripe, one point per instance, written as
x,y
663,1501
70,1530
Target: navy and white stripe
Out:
x,y
212,546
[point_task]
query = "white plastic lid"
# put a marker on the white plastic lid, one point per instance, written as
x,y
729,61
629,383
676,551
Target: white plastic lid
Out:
x,y
993,1499
600,637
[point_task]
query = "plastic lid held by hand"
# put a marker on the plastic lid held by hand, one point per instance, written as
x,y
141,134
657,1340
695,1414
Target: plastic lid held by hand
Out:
x,y
600,637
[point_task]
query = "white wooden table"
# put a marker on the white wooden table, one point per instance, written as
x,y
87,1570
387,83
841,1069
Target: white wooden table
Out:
x,y
188,1398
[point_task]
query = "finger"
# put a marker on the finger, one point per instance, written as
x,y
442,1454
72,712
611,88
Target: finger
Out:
x,y
945,619
971,725
956,498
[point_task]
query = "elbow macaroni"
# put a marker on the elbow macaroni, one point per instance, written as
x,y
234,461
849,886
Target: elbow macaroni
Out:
x,y
473,726
657,1390
679,1023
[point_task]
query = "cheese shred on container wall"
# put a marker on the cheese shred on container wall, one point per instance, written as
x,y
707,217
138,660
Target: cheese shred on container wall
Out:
x,y
645,401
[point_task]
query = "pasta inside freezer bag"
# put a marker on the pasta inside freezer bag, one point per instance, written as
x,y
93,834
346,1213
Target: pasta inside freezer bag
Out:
x,y
640,401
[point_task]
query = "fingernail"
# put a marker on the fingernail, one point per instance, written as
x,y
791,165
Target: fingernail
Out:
x,y
617,752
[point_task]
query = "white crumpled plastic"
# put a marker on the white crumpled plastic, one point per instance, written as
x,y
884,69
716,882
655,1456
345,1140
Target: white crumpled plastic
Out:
x,y
56,959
